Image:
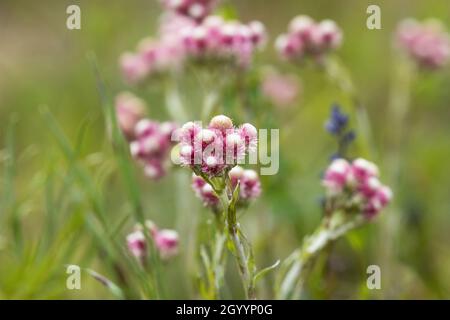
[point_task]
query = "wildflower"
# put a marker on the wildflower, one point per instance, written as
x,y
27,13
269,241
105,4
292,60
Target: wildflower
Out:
x,y
356,186
195,9
336,125
129,109
308,38
250,186
281,90
249,183
133,67
219,147
205,192
152,146
165,240
226,41
427,43
136,244
337,122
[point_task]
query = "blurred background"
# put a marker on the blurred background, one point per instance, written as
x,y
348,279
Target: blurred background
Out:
x,y
43,210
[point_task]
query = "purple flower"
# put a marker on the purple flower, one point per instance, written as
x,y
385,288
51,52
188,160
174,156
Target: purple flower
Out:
x,y
337,122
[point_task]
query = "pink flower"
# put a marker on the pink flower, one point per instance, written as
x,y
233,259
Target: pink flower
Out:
x,y
204,192
152,146
217,147
225,41
166,242
427,43
136,244
134,69
363,169
336,176
195,9
356,184
281,90
250,187
306,37
129,110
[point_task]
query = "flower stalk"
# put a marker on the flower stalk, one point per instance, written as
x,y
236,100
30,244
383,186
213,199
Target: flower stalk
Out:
x,y
301,260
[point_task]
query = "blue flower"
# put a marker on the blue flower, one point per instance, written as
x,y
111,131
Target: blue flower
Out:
x,y
337,122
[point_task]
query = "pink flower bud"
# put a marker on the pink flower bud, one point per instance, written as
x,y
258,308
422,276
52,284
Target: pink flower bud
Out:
x,y
336,176
136,244
129,110
302,26
235,175
204,192
258,33
249,134
363,169
167,243
250,185
133,67
427,43
305,38
221,123
152,146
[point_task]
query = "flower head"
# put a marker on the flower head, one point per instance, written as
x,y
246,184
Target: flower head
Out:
x,y
129,110
165,240
249,184
337,125
136,244
152,146
356,186
225,41
194,9
308,38
427,43
220,146
338,121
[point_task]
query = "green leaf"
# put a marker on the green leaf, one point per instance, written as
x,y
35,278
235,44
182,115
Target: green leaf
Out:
x,y
265,271
113,288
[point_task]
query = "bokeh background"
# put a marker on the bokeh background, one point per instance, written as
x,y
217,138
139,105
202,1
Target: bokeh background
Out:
x,y
43,210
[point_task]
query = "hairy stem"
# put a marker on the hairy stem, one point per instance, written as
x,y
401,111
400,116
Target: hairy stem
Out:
x,y
238,246
300,262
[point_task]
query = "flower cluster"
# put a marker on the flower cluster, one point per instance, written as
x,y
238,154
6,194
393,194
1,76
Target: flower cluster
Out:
x,y
219,147
216,39
152,146
356,187
195,9
165,240
181,37
427,43
129,110
307,37
249,187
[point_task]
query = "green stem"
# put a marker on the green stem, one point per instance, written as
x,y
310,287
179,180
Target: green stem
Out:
x,y
340,76
301,260
238,246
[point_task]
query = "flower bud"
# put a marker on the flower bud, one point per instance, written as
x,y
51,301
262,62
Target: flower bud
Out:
x,y
221,123
166,242
136,244
129,110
